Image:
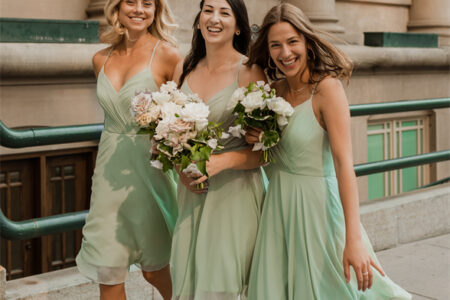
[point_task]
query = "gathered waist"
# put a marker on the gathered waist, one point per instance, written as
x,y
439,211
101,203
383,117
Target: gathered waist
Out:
x,y
303,174
129,133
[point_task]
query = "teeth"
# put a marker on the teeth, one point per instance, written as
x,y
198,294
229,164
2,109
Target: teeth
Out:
x,y
137,19
214,29
288,62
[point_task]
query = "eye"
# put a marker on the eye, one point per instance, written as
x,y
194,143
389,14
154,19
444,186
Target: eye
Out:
x,y
274,45
148,3
226,14
292,42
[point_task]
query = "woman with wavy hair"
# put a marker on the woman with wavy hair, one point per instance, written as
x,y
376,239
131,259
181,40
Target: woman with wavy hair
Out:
x,y
310,234
216,229
133,206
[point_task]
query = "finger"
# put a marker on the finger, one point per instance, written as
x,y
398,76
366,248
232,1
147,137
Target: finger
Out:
x,y
373,264
359,277
347,271
365,275
199,180
370,277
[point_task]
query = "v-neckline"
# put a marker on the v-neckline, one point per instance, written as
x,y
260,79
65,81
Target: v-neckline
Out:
x,y
126,82
214,95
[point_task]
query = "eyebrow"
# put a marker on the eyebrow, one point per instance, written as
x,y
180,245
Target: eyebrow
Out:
x,y
210,6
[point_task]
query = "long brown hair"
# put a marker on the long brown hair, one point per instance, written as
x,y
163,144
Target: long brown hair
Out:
x,y
162,27
323,60
241,42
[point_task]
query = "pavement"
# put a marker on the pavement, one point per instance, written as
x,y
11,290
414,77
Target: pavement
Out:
x,y
422,267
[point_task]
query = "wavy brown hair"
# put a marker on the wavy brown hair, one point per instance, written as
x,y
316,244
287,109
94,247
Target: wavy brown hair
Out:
x,y
162,27
324,59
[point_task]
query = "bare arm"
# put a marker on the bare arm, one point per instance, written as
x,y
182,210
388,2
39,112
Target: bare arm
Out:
x,y
335,116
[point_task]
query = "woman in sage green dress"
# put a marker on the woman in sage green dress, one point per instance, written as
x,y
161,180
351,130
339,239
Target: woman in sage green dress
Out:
x,y
133,205
216,229
310,232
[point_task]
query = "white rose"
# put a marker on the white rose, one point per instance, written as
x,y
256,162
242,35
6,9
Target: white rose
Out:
x,y
156,164
224,135
253,101
282,121
259,146
192,171
195,98
280,106
161,98
162,129
169,87
237,96
169,110
196,112
179,98
236,131
180,126
212,143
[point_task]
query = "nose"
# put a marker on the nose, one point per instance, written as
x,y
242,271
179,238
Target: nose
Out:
x,y
285,51
215,17
139,7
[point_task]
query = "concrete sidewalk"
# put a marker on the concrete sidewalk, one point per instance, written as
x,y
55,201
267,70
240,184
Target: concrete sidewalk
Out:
x,y
422,268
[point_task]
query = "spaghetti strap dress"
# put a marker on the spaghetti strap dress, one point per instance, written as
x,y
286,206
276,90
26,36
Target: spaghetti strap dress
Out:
x,y
133,206
301,239
216,232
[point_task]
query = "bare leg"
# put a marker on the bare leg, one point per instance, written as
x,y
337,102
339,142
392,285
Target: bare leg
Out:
x,y
161,281
112,292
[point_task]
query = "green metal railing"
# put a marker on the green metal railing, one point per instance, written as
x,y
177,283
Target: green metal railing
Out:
x,y
67,134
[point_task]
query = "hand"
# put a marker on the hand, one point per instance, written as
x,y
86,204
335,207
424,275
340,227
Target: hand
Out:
x,y
252,135
216,164
154,149
189,182
356,255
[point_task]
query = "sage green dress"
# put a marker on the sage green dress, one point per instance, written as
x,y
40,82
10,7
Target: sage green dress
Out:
x,y
133,205
215,233
301,240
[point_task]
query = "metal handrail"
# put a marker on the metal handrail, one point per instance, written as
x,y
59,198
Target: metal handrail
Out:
x,y
12,138
398,106
68,134
33,228
400,163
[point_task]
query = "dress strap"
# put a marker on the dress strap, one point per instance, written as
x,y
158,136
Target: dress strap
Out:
x,y
239,67
154,51
107,56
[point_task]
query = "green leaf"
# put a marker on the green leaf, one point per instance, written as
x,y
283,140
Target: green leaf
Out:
x,y
185,161
201,165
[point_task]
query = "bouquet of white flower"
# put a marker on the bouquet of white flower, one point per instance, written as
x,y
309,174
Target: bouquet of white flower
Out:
x,y
178,124
257,106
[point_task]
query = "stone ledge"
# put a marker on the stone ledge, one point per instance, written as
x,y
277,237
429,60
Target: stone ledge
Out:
x,y
70,284
28,60
407,218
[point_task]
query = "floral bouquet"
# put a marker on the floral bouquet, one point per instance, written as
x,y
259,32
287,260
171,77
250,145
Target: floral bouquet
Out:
x,y
178,124
257,106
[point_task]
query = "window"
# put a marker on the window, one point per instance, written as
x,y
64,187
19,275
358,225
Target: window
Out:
x,y
388,139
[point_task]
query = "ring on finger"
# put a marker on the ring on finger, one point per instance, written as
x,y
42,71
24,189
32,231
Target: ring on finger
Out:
x,y
365,274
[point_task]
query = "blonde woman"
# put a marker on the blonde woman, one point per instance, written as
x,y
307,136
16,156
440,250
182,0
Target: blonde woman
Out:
x,y
133,206
310,243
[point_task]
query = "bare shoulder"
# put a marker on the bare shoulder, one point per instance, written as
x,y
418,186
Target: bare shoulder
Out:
x,y
168,53
330,94
251,73
99,59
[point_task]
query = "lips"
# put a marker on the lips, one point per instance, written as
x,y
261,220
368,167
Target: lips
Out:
x,y
288,62
137,19
214,29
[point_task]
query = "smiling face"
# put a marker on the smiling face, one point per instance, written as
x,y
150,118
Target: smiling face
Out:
x,y
137,15
288,49
217,21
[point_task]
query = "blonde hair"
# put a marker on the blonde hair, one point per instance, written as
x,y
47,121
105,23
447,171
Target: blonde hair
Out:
x,y
162,27
324,58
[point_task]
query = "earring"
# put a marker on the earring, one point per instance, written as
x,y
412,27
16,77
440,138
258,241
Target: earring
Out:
x,y
198,26
238,32
268,63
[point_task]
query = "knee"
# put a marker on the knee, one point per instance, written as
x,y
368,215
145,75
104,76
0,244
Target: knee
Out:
x,y
155,277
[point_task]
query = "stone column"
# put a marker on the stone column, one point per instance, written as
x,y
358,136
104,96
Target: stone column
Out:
x,y
431,16
322,13
94,11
